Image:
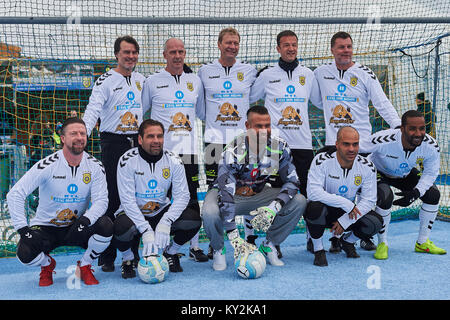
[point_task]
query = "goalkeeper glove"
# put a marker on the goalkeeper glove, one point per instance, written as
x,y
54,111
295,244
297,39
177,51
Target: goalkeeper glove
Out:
x,y
162,234
240,246
264,216
409,196
148,241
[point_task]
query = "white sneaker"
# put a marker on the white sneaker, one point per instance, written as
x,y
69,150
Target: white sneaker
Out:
x,y
268,249
219,260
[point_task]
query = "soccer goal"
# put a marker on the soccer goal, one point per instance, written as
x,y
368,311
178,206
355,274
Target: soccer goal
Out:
x,y
51,53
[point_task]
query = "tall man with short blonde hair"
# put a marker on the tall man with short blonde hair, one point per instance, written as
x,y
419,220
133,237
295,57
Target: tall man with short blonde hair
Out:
x,y
227,82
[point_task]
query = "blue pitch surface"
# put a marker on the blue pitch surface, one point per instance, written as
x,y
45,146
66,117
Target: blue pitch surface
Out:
x,y
406,275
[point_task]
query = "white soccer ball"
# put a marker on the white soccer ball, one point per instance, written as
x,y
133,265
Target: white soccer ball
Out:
x,y
250,266
153,269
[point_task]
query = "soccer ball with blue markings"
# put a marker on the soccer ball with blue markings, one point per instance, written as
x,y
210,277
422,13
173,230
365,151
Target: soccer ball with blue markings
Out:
x,y
250,266
153,268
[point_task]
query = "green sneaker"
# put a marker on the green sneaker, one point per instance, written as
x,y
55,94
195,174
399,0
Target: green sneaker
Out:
x,y
382,251
429,247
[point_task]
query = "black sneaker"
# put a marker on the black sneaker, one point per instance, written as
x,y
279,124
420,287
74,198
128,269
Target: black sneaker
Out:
x,y
128,271
349,249
210,253
335,246
310,246
320,258
197,255
174,262
108,267
368,245
107,258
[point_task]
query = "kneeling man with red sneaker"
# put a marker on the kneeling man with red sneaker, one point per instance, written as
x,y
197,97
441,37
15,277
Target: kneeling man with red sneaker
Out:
x,y
72,201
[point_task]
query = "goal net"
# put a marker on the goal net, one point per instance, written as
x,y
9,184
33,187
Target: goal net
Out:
x,y
50,58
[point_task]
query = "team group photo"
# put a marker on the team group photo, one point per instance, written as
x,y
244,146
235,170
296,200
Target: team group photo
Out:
x,y
217,171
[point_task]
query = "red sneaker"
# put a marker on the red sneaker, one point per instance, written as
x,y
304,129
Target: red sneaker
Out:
x,y
85,273
46,276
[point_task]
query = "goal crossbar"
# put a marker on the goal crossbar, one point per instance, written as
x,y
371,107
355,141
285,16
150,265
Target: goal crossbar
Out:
x,y
225,20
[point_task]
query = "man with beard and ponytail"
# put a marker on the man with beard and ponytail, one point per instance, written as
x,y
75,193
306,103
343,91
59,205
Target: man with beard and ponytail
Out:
x,y
333,182
145,174
409,160
72,202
